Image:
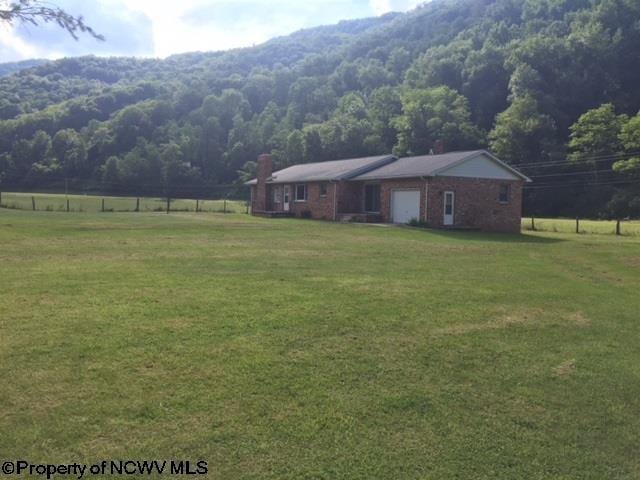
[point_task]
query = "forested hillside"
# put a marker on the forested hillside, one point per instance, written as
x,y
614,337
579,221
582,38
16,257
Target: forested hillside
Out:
x,y
550,85
12,67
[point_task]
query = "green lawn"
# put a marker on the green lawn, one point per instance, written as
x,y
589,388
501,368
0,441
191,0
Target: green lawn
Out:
x,y
567,225
93,203
299,349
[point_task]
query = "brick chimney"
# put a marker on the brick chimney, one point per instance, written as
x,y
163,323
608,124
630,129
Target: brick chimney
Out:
x,y
264,172
438,147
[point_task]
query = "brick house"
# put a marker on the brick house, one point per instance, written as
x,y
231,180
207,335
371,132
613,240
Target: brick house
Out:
x,y
472,189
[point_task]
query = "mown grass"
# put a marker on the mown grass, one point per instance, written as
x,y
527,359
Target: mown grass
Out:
x,y
300,349
567,225
93,203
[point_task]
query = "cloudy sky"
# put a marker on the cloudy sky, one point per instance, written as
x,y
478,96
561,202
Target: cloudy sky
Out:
x,y
158,28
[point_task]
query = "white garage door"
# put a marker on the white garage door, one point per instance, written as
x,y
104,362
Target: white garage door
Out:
x,y
405,205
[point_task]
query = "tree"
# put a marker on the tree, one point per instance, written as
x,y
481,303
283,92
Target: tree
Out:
x,y
430,115
294,150
70,151
630,139
312,151
384,105
523,133
597,133
111,173
36,11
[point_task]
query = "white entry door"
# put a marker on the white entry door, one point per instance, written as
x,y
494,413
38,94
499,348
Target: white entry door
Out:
x,y
405,205
285,198
449,207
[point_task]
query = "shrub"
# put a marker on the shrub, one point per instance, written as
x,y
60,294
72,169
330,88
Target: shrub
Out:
x,y
414,222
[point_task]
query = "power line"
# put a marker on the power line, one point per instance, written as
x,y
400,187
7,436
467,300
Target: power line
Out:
x,y
622,156
564,174
573,185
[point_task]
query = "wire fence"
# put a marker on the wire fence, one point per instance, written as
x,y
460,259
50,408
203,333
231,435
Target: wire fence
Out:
x,y
582,226
101,203
52,202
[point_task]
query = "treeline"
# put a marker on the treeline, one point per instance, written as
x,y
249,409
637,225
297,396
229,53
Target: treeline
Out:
x,y
551,85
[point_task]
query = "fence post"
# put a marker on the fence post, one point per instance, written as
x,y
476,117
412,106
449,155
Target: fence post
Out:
x,y
617,227
197,204
67,205
225,206
577,225
33,203
137,204
533,224
168,204
103,205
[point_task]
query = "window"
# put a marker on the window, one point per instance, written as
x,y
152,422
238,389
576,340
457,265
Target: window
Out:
x,y
505,193
323,189
372,198
448,203
301,193
276,194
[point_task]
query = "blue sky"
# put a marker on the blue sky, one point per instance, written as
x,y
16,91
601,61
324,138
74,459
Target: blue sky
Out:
x,y
159,28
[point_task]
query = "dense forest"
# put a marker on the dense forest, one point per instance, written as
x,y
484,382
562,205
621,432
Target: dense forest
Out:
x,y
552,86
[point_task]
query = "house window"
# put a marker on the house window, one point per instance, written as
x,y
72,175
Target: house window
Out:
x,y
505,193
301,192
372,198
323,189
276,194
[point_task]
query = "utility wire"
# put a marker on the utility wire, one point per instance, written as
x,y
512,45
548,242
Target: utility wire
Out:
x,y
573,185
576,161
565,174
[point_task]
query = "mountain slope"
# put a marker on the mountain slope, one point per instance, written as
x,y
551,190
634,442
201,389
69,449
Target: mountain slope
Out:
x,y
13,67
502,73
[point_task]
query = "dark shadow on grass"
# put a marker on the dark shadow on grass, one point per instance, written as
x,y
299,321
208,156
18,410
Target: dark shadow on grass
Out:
x,y
471,236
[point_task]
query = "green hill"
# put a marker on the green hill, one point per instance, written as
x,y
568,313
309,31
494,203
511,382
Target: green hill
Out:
x,y
514,76
11,67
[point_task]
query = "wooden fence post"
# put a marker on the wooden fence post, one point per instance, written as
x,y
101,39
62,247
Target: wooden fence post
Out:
x,y
533,224
67,205
168,204
33,203
103,205
577,225
137,204
225,206
617,227
197,204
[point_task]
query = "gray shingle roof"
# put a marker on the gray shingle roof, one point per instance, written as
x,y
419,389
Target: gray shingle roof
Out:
x,y
422,166
380,168
429,165
327,171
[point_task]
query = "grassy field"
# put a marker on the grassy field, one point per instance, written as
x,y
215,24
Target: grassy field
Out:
x,y
566,225
299,349
92,203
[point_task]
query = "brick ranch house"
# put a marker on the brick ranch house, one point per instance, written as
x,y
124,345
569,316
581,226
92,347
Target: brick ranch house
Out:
x,y
472,189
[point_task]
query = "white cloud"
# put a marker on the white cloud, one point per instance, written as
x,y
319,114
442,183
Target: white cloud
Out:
x,y
12,47
380,7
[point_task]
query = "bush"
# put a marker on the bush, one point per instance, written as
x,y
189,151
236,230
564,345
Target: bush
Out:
x,y
414,222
